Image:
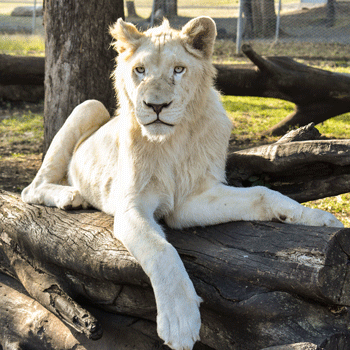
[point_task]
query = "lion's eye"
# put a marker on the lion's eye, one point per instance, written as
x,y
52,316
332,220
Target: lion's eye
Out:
x,y
179,69
140,70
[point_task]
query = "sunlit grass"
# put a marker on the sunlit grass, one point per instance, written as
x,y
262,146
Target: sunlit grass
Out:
x,y
338,206
225,50
22,127
251,116
22,45
337,127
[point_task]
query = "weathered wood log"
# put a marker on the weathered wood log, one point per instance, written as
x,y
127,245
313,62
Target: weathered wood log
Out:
x,y
25,324
317,94
302,170
21,78
255,277
299,346
18,70
29,93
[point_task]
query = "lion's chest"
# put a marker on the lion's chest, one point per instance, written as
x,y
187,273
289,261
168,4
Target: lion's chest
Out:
x,y
175,180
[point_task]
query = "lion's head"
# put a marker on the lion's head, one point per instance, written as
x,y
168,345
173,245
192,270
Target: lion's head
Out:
x,y
163,74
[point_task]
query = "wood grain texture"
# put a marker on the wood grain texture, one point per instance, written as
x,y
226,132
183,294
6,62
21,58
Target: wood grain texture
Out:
x,y
302,170
249,274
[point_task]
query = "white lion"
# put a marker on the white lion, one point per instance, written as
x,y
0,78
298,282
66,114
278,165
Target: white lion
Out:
x,y
163,156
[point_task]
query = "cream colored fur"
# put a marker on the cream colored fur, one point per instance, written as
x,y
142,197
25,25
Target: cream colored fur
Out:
x,y
140,169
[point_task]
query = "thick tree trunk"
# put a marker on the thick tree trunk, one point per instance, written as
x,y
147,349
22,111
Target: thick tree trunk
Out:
x,y
264,18
130,6
330,20
263,284
171,8
168,9
78,58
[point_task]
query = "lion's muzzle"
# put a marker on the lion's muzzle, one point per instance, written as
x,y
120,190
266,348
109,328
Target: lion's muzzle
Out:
x,y
157,107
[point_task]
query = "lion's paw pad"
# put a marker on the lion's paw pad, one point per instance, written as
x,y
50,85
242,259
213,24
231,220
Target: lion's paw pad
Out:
x,y
180,330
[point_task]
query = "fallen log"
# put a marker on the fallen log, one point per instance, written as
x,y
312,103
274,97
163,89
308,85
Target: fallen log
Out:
x,y
299,346
304,171
28,93
318,94
18,70
263,284
22,78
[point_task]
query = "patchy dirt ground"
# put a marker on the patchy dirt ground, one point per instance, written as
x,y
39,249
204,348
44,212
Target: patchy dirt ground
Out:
x,y
17,173
20,158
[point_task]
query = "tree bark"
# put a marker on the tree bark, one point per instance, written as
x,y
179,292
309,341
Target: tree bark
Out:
x,y
264,18
330,19
171,8
263,284
130,5
79,60
168,8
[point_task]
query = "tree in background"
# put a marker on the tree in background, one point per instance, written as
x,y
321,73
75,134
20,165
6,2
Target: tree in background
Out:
x,y
79,59
260,18
330,13
167,8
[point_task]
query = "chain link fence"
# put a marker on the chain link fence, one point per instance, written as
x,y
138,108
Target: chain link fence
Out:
x,y
238,21
21,17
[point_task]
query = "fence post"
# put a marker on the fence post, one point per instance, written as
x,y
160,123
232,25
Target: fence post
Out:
x,y
278,21
34,18
239,27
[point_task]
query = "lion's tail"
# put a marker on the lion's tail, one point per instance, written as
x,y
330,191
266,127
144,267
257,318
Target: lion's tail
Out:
x,y
85,119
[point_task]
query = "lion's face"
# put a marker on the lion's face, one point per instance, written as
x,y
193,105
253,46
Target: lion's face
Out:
x,y
161,71
160,86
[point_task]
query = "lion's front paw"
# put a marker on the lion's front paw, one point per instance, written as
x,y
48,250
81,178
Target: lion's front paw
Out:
x,y
317,217
179,323
71,198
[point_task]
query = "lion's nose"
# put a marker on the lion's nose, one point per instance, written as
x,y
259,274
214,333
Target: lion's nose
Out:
x,y
157,107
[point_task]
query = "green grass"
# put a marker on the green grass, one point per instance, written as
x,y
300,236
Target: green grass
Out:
x,y
22,45
337,127
27,127
338,206
253,115
225,51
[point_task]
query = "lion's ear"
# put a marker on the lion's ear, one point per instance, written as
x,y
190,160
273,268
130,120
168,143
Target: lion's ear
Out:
x,y
126,34
200,34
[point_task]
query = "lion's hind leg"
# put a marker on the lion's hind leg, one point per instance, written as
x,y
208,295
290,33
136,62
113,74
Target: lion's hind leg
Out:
x,y
47,187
